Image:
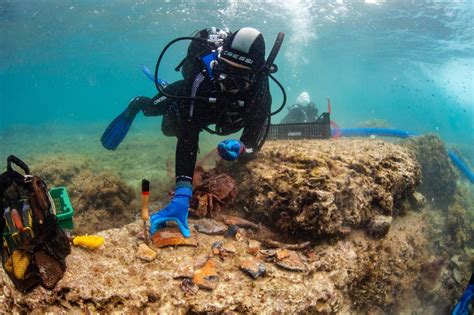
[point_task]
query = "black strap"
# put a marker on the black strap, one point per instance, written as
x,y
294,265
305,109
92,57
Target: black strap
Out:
x,y
13,159
178,67
2,225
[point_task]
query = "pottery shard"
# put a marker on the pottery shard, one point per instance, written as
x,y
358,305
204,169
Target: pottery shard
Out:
x,y
230,248
184,270
268,252
189,287
379,225
206,277
210,226
232,220
252,266
254,247
171,236
282,254
145,253
231,231
241,235
290,260
217,248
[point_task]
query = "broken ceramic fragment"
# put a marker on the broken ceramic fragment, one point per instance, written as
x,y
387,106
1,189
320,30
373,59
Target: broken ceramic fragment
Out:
x,y
206,277
290,260
145,253
171,236
210,226
233,220
184,270
254,247
189,287
252,266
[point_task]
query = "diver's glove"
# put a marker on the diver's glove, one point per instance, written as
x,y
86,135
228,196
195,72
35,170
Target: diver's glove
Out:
x,y
176,210
230,149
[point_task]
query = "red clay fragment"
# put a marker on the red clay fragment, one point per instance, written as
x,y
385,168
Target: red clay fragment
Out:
x,y
171,236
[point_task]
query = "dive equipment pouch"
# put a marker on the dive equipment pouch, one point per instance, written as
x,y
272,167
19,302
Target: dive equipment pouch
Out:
x,y
171,121
34,247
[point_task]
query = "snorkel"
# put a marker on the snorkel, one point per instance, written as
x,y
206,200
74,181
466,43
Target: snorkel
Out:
x,y
268,68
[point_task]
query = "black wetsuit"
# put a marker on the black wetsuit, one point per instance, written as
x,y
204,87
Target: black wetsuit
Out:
x,y
298,113
185,119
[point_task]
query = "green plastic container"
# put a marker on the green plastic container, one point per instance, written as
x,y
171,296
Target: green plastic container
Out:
x,y
64,209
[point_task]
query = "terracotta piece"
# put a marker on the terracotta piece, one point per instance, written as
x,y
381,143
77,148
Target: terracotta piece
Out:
x,y
290,260
207,277
254,247
253,266
145,253
233,220
173,237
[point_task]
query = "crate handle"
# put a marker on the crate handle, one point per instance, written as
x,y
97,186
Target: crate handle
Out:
x,y
13,159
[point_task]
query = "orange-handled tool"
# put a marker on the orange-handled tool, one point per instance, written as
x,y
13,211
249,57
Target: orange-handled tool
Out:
x,y
145,211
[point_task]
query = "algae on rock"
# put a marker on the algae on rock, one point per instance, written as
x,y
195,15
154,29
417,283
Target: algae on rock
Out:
x,y
438,181
320,188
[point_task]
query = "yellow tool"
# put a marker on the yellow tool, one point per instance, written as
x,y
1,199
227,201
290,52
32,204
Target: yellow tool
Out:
x,y
89,241
145,213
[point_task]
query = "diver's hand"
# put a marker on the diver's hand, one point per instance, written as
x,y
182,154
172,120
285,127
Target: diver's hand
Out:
x,y
176,210
230,149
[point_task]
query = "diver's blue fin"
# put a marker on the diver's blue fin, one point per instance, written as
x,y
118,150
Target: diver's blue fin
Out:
x,y
118,129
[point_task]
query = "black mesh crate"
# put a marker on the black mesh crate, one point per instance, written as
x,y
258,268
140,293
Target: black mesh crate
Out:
x,y
320,129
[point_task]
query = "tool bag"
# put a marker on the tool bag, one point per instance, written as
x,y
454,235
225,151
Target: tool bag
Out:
x,y
34,247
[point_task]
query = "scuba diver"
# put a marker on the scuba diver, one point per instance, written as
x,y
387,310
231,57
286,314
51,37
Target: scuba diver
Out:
x,y
304,111
226,84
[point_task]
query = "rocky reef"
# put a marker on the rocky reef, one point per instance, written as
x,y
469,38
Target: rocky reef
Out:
x,y
97,197
323,188
331,229
438,182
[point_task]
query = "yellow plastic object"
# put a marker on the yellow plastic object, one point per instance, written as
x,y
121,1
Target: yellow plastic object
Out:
x,y
20,261
89,241
9,265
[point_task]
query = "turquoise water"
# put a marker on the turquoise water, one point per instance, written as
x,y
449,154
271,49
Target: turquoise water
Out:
x,y
76,63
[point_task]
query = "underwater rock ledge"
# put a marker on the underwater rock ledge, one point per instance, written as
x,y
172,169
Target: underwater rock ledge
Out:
x,y
325,187
370,181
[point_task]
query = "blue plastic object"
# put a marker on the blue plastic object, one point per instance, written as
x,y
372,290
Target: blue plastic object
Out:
x,y
461,165
230,149
462,308
176,210
383,132
208,60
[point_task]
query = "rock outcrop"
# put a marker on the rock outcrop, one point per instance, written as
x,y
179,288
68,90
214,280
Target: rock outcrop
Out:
x,y
323,188
438,182
331,193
